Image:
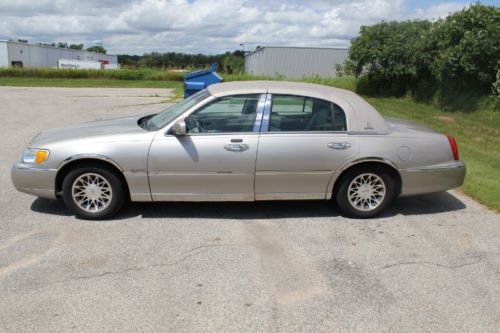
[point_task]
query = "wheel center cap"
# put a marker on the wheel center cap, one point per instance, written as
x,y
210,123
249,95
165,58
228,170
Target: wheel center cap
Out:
x,y
365,191
93,192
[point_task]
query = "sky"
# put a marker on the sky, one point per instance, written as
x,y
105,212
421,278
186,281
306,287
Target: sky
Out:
x,y
206,26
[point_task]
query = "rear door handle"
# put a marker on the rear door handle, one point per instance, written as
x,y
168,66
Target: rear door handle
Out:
x,y
236,147
339,145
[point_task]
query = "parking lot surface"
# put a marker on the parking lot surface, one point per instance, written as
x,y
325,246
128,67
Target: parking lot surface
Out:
x,y
431,263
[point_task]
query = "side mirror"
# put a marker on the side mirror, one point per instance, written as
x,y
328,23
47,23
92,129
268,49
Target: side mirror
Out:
x,y
179,128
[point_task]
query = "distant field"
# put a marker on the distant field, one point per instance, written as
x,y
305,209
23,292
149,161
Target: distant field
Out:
x,y
76,83
122,74
477,133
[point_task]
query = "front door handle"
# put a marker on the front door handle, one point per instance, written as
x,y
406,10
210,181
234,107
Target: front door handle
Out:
x,y
339,145
236,147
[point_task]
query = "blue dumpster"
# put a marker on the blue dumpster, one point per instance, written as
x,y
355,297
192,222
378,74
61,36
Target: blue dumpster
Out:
x,y
199,80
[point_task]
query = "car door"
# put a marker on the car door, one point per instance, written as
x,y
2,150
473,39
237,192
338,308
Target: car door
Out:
x,y
303,141
215,160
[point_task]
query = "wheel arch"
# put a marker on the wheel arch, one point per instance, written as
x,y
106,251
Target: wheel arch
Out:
x,y
88,160
387,165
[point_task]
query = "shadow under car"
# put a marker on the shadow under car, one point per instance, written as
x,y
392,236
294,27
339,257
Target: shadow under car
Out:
x,y
416,205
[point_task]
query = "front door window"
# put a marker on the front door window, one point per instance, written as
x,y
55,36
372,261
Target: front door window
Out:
x,y
225,115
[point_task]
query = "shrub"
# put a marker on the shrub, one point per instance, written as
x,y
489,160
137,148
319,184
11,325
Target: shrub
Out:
x,y
453,60
388,54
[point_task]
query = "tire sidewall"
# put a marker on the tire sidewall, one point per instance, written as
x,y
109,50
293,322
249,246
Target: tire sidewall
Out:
x,y
342,192
117,188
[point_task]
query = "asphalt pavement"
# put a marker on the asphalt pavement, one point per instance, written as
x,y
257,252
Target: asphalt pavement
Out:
x,y
429,264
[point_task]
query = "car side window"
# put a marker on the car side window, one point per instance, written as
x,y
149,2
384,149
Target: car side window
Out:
x,y
297,113
225,115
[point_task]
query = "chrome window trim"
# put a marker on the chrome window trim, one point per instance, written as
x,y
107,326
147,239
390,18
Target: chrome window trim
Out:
x,y
307,132
260,113
264,128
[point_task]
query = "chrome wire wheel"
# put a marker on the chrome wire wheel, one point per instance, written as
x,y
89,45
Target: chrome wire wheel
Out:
x,y
366,192
91,192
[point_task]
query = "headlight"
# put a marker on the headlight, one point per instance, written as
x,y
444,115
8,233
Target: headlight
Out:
x,y
37,156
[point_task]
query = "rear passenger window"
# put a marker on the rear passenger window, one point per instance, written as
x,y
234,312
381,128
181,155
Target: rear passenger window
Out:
x,y
296,113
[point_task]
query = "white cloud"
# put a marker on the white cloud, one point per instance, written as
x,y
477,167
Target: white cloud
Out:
x,y
438,11
207,26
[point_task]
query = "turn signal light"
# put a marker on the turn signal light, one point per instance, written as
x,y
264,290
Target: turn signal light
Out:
x,y
41,156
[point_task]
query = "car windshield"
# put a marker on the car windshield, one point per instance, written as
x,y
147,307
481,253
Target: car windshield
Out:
x,y
161,119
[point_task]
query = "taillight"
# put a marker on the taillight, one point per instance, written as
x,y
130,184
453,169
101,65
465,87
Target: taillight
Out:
x,y
454,147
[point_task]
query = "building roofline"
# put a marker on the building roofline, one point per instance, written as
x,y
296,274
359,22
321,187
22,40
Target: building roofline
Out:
x,y
54,47
297,47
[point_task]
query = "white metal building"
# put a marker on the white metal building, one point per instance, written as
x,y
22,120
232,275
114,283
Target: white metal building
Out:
x,y
16,54
294,62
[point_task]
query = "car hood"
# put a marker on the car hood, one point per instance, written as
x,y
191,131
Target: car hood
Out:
x,y
103,129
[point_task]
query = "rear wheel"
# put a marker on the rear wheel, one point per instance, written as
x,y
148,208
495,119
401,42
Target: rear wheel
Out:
x,y
364,192
93,193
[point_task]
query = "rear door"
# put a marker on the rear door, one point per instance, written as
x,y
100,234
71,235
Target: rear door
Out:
x,y
303,141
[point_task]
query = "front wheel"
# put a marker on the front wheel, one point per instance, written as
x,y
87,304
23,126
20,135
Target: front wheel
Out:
x,y
365,192
93,193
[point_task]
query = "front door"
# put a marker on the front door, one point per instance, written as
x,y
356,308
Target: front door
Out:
x,y
303,141
216,159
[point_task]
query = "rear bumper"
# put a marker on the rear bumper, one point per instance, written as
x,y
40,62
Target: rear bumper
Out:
x,y
35,181
435,178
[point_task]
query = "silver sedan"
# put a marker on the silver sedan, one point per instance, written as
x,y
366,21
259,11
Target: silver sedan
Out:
x,y
242,141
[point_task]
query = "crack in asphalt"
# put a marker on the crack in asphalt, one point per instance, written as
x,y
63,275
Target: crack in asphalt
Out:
x,y
477,259
187,254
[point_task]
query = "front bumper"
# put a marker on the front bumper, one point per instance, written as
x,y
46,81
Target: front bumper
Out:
x,y
34,180
435,178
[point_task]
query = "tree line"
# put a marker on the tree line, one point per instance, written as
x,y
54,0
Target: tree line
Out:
x,y
229,62
455,60
79,47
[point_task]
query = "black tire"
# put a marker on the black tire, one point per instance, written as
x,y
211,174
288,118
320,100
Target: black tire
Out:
x,y
118,193
342,196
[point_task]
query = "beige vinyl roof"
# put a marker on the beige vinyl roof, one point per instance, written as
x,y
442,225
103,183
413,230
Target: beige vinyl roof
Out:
x,y
361,116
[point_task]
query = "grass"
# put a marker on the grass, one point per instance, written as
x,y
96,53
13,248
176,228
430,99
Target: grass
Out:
x,y
477,133
123,74
77,83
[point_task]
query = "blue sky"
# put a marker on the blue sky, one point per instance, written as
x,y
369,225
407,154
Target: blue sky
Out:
x,y
206,26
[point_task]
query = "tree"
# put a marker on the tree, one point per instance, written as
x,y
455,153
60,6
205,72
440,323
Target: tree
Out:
x,y
62,45
453,59
97,48
462,51
388,52
76,46
234,63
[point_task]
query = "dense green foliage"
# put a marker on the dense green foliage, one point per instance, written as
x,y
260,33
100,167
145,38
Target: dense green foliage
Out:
x,y
453,60
65,45
233,60
233,64
388,53
97,48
